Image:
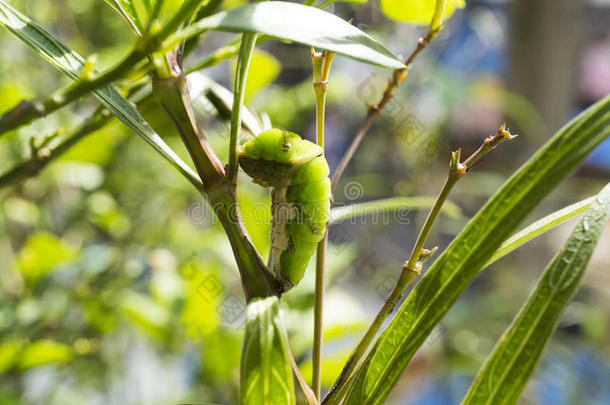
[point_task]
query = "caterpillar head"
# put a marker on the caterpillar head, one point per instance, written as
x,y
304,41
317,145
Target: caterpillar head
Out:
x,y
272,157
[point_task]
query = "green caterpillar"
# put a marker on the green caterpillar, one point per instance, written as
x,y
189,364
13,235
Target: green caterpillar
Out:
x,y
297,173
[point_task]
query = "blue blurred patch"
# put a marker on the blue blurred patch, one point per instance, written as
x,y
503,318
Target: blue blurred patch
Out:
x,y
477,44
600,158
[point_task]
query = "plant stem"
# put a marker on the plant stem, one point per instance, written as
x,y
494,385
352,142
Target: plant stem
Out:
x,y
248,43
256,279
169,85
455,173
412,267
321,68
225,52
336,393
374,110
44,155
438,17
318,316
26,111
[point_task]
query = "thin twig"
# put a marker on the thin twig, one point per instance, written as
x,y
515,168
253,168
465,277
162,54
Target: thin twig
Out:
x,y
42,156
412,267
321,68
26,111
374,110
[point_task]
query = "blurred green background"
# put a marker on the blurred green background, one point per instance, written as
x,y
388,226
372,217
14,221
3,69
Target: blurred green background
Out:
x,y
117,285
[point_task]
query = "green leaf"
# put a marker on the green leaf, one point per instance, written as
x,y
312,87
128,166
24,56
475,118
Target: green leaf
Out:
x,y
71,63
512,362
126,10
400,206
200,298
325,3
539,227
265,370
264,68
44,352
9,353
332,364
297,23
137,13
41,254
142,311
472,248
202,87
417,11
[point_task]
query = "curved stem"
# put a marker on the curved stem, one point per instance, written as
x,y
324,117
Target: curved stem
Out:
x,y
169,85
248,43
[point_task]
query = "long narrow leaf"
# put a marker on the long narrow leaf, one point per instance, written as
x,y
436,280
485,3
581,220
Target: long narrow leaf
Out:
x,y
71,63
399,206
539,227
295,22
512,362
126,10
471,249
201,86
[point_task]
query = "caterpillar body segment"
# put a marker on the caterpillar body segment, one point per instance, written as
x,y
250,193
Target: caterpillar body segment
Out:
x,y
297,173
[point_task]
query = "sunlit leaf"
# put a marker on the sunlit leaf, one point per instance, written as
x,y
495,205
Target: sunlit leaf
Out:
x,y
257,219
137,12
98,148
220,353
203,293
205,91
417,11
294,22
332,364
398,207
44,352
71,63
42,253
101,318
145,313
539,227
453,271
126,10
512,362
9,353
264,68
